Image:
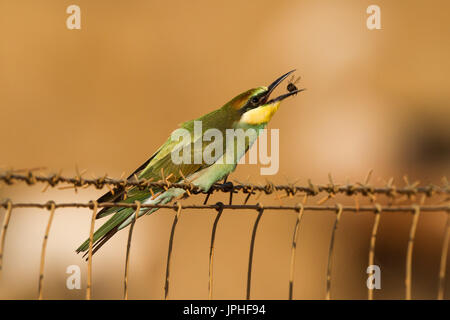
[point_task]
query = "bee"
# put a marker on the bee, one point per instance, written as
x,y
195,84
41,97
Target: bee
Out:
x,y
291,85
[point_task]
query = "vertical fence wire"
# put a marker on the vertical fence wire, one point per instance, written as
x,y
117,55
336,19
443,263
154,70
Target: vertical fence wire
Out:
x,y
211,250
91,244
252,248
44,247
293,250
443,264
330,252
3,231
373,239
169,253
127,256
412,235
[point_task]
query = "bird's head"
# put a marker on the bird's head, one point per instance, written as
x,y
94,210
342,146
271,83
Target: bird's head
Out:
x,y
255,107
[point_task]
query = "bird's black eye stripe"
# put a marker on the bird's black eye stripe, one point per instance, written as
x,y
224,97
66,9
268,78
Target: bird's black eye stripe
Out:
x,y
252,103
256,100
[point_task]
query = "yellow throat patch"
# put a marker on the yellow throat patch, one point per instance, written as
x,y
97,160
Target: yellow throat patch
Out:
x,y
259,115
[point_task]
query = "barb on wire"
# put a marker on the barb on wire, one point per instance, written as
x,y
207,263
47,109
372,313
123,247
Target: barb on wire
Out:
x,y
333,190
368,190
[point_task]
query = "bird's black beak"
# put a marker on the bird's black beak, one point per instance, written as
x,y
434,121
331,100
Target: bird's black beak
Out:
x,y
272,87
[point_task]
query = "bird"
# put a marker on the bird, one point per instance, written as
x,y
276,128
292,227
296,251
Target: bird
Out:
x,y
252,109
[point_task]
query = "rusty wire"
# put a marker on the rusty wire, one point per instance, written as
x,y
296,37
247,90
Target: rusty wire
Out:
x,y
127,256
220,207
252,249
339,210
211,250
44,248
169,253
293,250
409,192
373,239
442,267
409,253
4,229
91,244
364,189
369,208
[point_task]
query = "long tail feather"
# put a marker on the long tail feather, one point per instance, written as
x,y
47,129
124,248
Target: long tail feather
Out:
x,y
124,216
101,242
109,225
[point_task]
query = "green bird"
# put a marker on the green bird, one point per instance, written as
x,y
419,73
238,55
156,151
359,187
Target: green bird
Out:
x,y
252,109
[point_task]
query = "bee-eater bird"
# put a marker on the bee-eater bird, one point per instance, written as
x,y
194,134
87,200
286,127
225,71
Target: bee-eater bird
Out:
x,y
252,109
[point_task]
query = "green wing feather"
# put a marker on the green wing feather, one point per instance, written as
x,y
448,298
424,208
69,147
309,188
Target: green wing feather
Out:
x,y
151,169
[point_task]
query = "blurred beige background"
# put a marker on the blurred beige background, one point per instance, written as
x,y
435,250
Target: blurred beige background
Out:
x,y
103,98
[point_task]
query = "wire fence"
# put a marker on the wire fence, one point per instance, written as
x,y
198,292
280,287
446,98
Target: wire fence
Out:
x,y
414,194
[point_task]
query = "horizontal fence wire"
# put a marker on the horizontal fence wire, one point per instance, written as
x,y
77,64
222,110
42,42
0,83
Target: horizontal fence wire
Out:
x,y
90,205
364,189
409,191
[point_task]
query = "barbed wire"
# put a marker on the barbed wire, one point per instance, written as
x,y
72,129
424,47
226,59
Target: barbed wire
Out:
x,y
364,189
